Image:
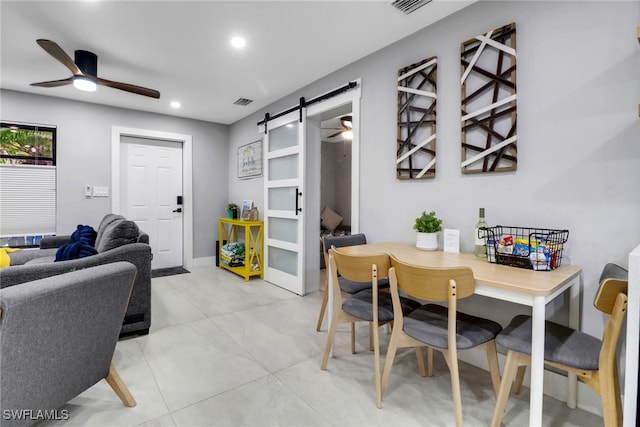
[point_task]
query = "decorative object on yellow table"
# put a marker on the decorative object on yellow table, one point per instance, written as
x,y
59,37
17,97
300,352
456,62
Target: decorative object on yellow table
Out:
x,y
232,210
252,237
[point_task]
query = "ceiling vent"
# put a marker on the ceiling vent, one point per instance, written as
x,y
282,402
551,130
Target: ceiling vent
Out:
x,y
409,6
243,101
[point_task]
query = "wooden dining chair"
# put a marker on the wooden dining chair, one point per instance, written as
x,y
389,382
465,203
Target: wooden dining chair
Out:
x,y
347,287
591,359
437,327
368,305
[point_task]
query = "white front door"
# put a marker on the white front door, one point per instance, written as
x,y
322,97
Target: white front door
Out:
x,y
284,190
151,177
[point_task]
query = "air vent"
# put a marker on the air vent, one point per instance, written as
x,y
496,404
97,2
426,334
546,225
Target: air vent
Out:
x,y
243,101
409,6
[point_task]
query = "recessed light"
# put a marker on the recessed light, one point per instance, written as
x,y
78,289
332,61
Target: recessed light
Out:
x,y
238,42
175,104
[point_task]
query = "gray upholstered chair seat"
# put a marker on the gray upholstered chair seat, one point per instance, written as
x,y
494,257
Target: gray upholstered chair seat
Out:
x,y
428,324
592,360
360,305
562,344
350,287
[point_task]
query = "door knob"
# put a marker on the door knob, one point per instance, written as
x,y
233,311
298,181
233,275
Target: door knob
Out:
x,y
177,210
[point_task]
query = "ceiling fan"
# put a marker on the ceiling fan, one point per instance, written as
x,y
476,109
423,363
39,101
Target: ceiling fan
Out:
x,y
84,68
346,123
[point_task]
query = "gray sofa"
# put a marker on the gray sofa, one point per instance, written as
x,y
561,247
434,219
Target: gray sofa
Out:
x,y
118,239
57,339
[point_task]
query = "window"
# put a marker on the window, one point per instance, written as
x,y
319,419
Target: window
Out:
x,y
27,144
27,183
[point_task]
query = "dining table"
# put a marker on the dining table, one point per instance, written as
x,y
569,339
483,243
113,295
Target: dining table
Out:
x,y
533,288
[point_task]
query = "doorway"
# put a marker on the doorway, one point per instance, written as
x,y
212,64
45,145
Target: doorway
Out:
x,y
341,189
150,170
335,166
292,147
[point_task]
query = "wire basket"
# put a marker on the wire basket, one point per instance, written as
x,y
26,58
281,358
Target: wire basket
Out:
x,y
523,247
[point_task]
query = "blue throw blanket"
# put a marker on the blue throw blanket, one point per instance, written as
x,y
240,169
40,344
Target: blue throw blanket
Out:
x,y
75,250
81,244
84,233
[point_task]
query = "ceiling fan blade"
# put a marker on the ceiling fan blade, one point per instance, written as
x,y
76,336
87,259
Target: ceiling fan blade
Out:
x,y
129,88
347,122
335,134
54,83
56,51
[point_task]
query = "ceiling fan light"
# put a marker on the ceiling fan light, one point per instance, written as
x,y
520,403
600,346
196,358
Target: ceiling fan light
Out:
x,y
84,83
347,134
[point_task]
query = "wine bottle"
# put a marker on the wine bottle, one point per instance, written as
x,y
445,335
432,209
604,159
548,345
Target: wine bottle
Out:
x,y
480,249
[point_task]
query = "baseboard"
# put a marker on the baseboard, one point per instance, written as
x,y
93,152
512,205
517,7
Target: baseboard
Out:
x,y
202,262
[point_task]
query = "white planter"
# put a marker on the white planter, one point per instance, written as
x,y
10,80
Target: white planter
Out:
x,y
427,241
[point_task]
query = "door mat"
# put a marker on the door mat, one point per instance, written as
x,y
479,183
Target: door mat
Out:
x,y
162,272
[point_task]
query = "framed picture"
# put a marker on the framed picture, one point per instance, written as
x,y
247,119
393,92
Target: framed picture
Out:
x,y
250,160
247,205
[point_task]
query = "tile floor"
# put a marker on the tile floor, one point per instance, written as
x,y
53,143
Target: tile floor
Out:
x,y
224,352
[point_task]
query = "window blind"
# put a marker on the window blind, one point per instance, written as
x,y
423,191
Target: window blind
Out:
x,y
27,200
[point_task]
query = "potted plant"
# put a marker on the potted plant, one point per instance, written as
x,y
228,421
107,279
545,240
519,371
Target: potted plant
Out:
x,y
427,225
232,210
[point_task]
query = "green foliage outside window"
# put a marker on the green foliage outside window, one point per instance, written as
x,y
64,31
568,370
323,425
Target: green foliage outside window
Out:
x,y
27,144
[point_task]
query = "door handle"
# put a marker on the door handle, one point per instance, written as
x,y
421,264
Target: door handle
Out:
x,y
298,194
177,210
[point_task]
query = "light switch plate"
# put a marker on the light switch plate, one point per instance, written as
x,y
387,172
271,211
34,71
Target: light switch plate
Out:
x,y
100,191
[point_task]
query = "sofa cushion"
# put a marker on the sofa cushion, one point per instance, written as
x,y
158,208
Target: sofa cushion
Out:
x,y
117,234
106,222
330,219
41,260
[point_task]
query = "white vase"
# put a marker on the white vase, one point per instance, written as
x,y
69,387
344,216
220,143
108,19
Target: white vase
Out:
x,y
427,241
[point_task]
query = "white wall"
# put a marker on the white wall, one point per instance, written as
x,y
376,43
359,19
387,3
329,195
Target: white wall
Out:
x,y
84,157
578,136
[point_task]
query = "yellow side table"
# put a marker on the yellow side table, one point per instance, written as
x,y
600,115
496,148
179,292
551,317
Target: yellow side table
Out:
x,y
253,238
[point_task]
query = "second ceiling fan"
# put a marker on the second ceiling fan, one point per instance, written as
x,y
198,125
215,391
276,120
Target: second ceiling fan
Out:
x,y
346,129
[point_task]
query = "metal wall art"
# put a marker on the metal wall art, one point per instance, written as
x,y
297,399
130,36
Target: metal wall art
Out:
x,y
489,137
416,142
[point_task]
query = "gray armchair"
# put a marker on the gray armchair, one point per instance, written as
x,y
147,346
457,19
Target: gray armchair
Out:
x,y
57,339
117,240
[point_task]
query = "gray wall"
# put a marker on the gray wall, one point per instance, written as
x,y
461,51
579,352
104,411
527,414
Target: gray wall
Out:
x,y
84,157
578,136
